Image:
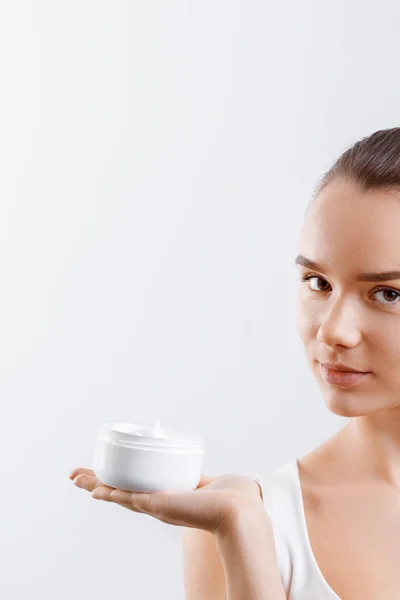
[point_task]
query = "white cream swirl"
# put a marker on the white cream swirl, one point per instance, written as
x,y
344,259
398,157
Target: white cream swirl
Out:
x,y
152,431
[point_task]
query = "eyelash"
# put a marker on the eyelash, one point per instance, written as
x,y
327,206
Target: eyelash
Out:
x,y
311,275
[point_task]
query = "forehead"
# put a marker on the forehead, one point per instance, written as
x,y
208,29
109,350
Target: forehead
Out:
x,y
348,229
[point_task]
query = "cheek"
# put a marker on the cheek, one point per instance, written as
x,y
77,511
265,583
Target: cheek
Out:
x,y
392,338
306,321
385,340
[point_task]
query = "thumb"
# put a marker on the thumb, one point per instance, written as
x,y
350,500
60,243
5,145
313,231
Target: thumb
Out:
x,y
204,480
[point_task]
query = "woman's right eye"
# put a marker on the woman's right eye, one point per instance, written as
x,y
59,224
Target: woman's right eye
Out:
x,y
312,276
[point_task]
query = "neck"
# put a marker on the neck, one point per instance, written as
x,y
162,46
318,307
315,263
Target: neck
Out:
x,y
372,444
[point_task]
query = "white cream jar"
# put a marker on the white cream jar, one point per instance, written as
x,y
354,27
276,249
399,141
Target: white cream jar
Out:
x,y
147,458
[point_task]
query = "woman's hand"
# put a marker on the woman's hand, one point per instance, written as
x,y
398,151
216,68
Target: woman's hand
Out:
x,y
212,506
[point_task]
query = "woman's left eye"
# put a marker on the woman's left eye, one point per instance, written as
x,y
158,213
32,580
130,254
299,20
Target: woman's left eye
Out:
x,y
385,290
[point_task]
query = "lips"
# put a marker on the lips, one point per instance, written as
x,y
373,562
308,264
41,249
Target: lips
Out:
x,y
341,378
341,368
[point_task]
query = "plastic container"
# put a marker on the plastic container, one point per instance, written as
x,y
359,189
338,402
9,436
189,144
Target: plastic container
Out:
x,y
147,458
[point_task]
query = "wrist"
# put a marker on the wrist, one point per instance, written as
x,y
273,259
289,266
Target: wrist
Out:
x,y
248,523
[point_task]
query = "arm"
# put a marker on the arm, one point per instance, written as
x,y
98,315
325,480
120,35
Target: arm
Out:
x,y
204,576
248,556
239,564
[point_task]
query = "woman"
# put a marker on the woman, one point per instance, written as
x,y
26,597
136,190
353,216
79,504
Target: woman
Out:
x,y
325,526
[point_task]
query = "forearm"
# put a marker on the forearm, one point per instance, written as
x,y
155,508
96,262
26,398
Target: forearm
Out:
x,y
248,555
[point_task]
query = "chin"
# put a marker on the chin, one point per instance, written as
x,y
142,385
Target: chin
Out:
x,y
345,410
352,407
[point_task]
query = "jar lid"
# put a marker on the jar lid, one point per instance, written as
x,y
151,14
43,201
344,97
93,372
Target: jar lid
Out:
x,y
146,434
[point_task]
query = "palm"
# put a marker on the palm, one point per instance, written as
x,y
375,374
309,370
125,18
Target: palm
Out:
x,y
215,501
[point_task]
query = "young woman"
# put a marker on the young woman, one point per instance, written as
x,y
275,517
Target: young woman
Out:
x,y
325,526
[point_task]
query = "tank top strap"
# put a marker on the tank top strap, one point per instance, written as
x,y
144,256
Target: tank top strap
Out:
x,y
281,503
282,498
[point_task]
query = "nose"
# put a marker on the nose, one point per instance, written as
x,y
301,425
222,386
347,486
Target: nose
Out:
x,y
339,326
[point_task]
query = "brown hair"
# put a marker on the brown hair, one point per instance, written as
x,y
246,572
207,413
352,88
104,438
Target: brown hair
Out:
x,y
372,163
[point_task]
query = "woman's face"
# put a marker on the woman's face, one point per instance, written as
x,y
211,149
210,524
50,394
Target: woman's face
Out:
x,y
342,319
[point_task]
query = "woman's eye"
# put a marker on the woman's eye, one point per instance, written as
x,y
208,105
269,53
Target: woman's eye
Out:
x,y
392,296
309,277
390,293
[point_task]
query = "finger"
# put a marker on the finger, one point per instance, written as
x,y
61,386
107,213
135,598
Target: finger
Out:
x,y
102,492
89,483
79,470
141,502
137,501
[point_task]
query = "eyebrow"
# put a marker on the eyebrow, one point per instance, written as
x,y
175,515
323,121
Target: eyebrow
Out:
x,y
388,276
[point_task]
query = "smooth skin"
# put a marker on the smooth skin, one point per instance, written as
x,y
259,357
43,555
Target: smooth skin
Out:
x,y
213,506
351,482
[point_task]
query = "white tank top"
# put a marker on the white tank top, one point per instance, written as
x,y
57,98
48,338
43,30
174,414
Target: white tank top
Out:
x,y
282,498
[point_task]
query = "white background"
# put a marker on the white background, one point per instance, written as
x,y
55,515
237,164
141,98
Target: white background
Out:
x,y
156,160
